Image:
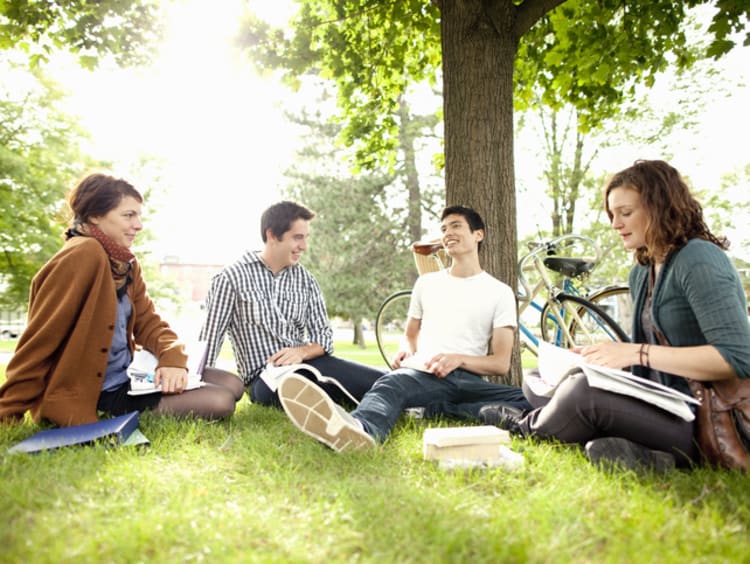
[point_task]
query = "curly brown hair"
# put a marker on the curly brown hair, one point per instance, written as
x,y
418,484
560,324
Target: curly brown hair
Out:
x,y
674,215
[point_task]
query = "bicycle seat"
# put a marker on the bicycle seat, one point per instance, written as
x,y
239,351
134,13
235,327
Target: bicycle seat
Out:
x,y
570,267
427,248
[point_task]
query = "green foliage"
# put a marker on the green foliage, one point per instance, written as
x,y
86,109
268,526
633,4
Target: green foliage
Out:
x,y
591,55
371,50
39,160
123,28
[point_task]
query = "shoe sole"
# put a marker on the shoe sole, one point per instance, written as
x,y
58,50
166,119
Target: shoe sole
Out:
x,y
316,415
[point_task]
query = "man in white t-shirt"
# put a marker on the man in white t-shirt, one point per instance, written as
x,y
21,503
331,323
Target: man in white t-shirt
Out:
x,y
454,314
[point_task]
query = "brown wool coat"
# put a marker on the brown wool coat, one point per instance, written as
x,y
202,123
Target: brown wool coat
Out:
x,y
59,364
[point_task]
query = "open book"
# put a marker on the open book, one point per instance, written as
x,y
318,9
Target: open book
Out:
x,y
142,368
272,376
556,363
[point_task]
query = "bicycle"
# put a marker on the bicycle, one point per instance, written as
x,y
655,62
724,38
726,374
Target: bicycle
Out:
x,y
569,317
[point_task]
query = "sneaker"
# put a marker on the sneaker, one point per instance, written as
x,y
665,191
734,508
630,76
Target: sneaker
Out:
x,y
502,415
315,414
616,451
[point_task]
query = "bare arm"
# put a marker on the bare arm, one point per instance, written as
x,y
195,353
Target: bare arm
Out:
x,y
697,363
498,362
413,326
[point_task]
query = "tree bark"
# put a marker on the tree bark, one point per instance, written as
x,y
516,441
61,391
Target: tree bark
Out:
x,y
478,56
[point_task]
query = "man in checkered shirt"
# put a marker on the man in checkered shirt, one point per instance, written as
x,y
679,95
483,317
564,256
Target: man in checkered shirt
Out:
x,y
274,312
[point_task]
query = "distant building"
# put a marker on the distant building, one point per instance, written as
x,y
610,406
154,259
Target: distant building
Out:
x,y
193,279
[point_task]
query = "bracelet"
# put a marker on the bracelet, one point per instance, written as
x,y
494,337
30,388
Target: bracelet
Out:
x,y
645,348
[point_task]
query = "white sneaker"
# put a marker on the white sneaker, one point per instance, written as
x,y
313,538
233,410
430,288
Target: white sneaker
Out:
x,y
315,414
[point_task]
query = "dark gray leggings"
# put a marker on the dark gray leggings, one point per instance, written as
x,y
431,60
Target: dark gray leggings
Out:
x,y
577,413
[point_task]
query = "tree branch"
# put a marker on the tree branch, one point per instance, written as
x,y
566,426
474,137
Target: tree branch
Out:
x,y
530,12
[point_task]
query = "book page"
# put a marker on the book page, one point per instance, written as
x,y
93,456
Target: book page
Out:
x,y
143,368
671,404
556,363
417,361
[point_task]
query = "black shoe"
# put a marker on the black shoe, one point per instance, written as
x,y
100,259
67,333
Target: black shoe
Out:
x,y
502,415
615,451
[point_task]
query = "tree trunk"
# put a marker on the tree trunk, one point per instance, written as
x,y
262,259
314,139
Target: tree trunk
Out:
x,y
478,55
359,335
406,141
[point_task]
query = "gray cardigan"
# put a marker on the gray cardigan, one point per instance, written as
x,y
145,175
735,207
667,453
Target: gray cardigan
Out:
x,y
698,299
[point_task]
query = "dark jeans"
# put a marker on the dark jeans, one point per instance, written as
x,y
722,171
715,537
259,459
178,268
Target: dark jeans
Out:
x,y
461,393
356,378
577,413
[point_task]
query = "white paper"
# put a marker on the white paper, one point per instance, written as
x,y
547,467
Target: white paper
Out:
x,y
556,364
142,368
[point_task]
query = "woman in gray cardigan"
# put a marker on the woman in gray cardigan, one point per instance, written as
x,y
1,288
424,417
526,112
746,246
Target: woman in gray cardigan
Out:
x,y
686,293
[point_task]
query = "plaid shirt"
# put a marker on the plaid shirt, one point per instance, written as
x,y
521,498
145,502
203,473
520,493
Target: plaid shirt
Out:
x,y
263,313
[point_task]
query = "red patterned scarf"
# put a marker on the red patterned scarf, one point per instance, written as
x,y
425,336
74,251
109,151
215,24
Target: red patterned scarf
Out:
x,y
120,258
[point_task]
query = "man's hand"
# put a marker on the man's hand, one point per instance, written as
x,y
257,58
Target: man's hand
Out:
x,y
399,357
287,356
443,364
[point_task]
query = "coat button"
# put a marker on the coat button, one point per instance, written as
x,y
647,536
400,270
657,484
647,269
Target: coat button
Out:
x,y
104,350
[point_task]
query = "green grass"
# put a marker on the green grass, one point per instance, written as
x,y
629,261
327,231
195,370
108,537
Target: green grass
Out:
x,y
254,489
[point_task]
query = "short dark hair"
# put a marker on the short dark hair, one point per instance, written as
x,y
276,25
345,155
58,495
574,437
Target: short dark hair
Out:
x,y
471,216
279,218
97,194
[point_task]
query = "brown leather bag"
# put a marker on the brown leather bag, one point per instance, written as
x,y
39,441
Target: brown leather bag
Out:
x,y
723,422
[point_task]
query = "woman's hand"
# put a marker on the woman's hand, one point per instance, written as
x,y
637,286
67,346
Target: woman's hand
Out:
x,y
172,379
612,354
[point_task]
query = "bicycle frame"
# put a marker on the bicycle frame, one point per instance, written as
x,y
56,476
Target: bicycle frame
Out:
x,y
558,314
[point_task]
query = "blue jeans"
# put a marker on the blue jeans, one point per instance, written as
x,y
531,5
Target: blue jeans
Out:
x,y
356,378
461,393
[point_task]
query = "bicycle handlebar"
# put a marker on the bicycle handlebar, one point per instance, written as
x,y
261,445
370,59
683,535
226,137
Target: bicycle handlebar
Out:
x,y
550,248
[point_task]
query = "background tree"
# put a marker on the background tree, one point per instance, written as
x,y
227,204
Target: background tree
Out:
x,y
356,230
125,29
39,159
588,54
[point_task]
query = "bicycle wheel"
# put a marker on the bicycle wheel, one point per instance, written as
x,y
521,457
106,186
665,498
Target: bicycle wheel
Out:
x,y
591,324
390,324
552,321
616,302
575,322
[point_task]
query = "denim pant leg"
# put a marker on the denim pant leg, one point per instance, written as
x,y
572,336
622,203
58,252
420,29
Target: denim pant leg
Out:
x,y
396,391
577,413
476,396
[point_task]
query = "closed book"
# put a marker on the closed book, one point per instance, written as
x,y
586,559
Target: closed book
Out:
x,y
117,429
480,442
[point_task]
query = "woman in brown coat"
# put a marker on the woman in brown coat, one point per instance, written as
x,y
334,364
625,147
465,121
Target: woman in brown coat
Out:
x,y
88,309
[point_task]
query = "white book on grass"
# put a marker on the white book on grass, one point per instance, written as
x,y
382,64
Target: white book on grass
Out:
x,y
142,368
272,376
556,364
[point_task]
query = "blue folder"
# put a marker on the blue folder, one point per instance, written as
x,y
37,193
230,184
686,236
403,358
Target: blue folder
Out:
x,y
119,430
